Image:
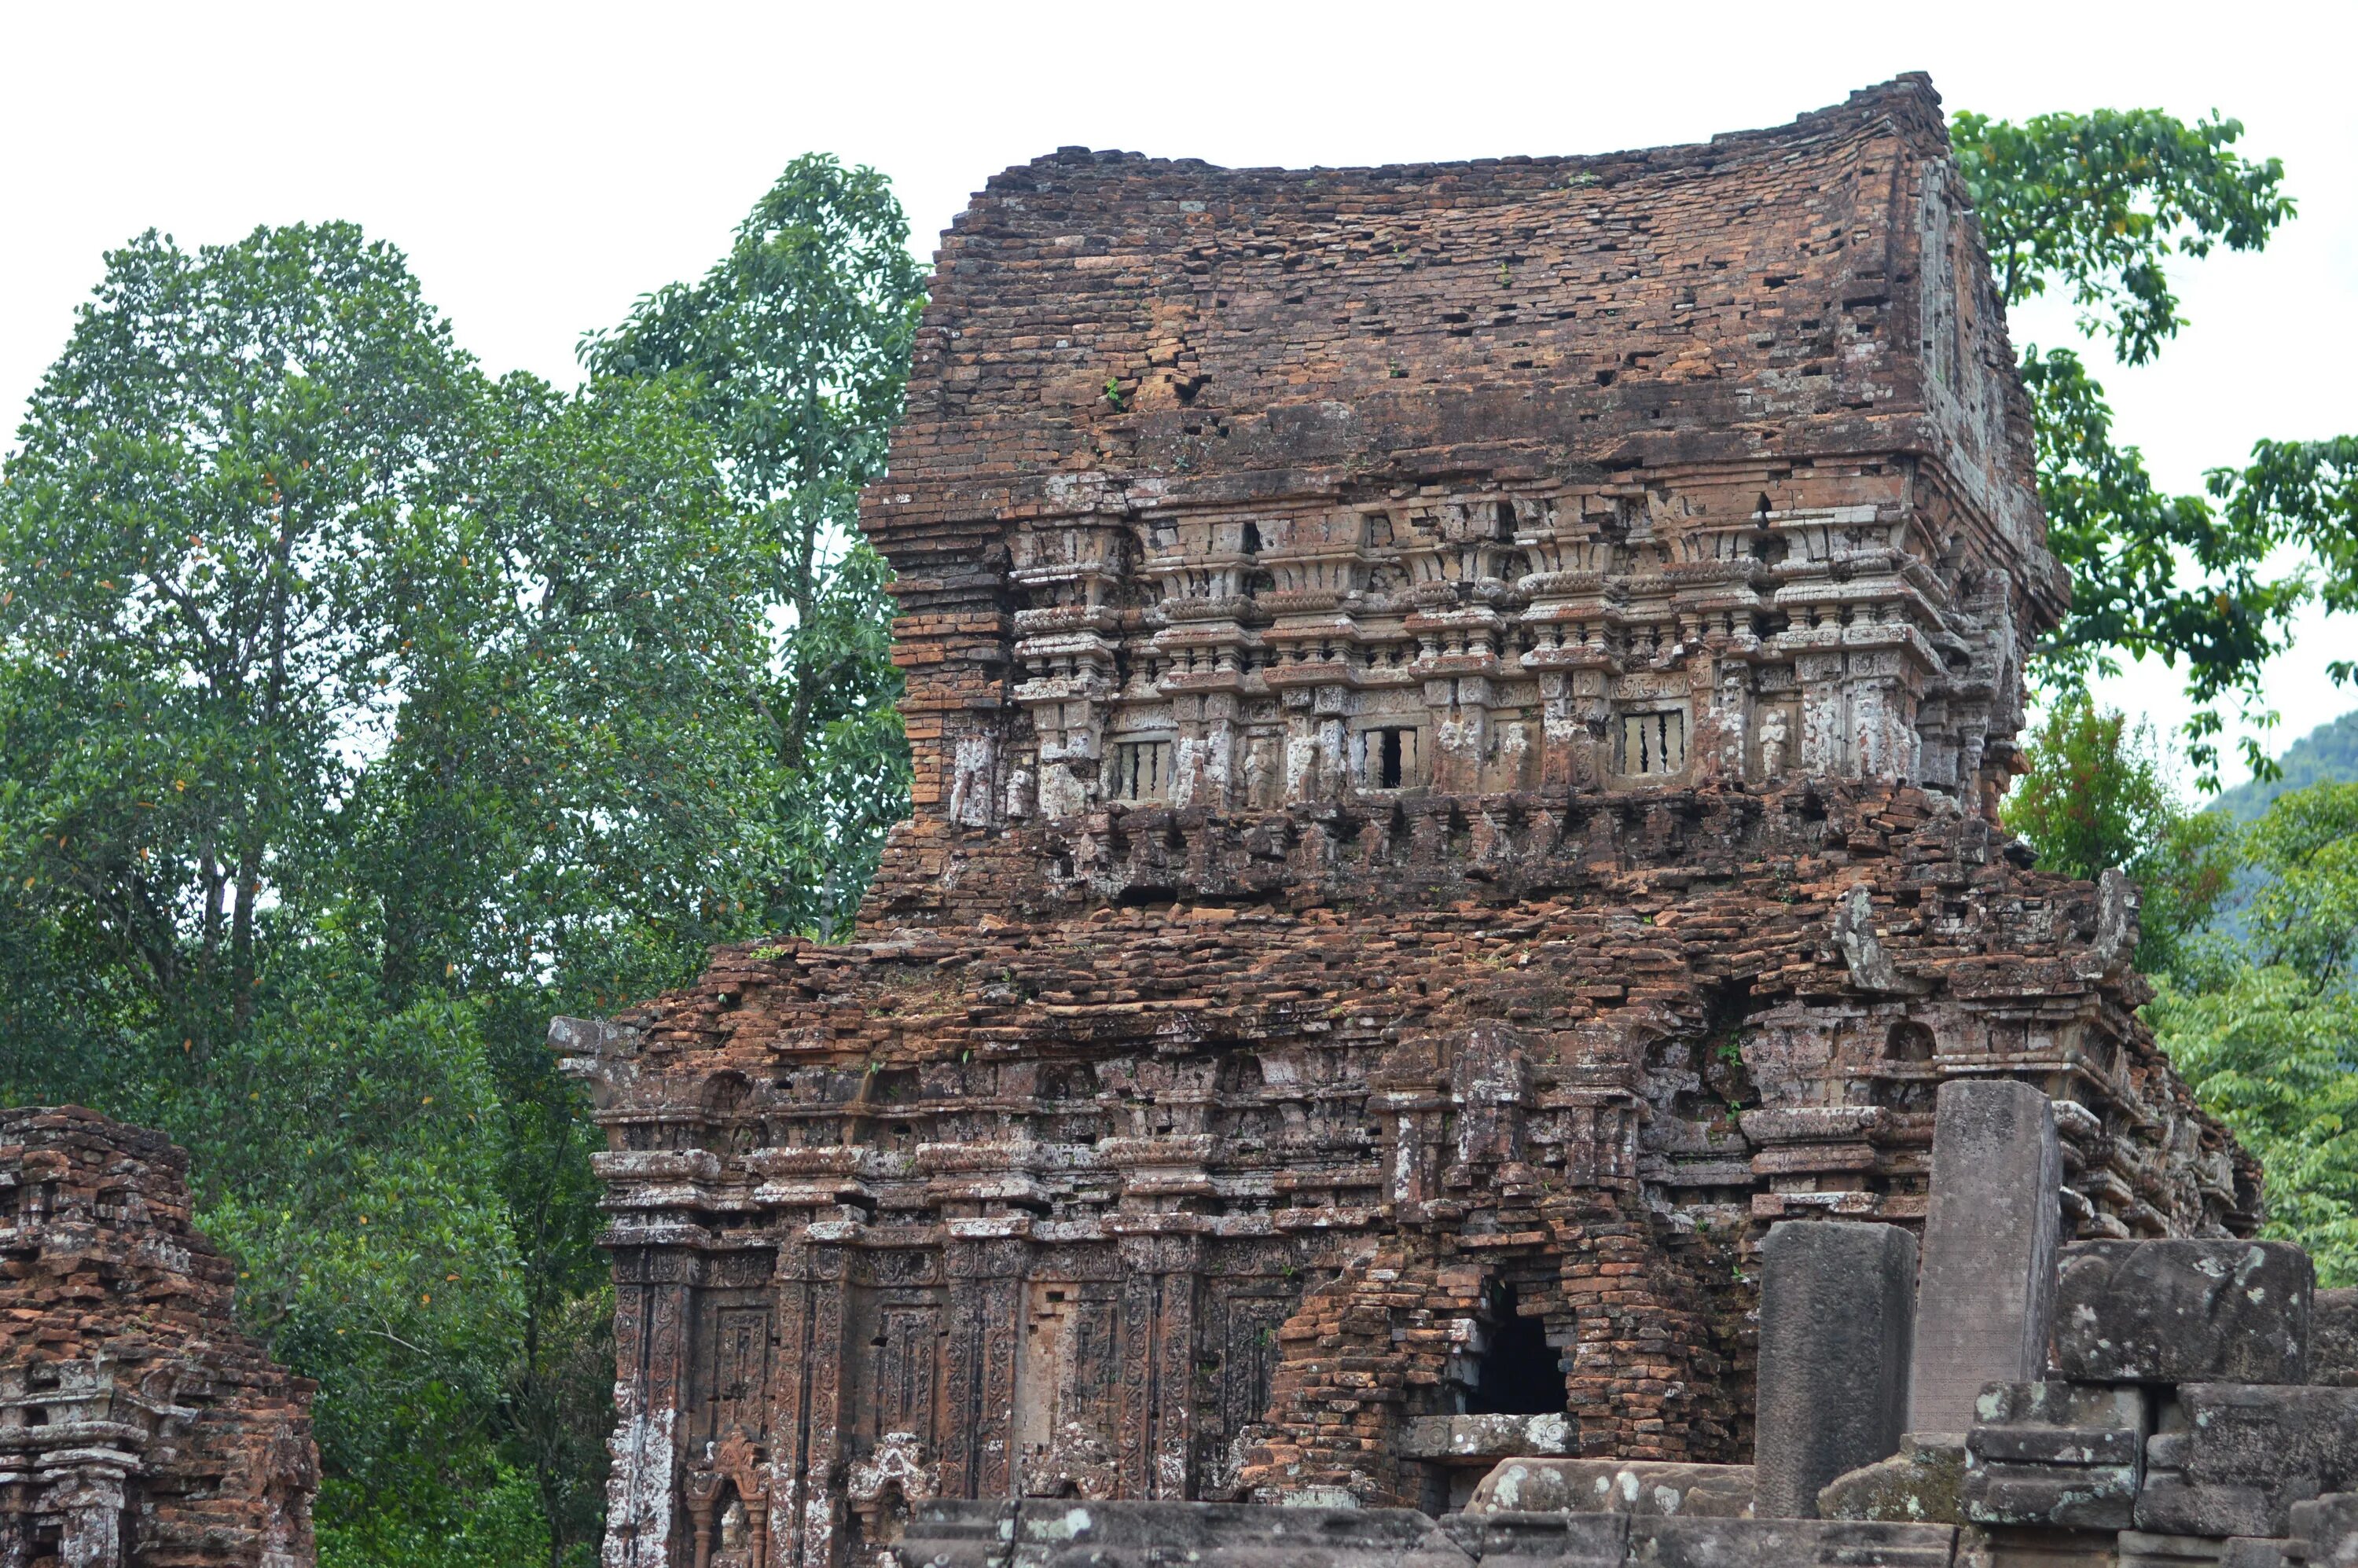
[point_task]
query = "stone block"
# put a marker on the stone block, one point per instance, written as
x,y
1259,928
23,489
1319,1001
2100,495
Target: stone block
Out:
x,y
2233,1458
2324,1532
1077,1532
1836,1307
1484,1437
1921,1484
2333,1338
1660,1487
2181,1311
2142,1549
1788,1543
2054,1454
1511,1539
1987,1281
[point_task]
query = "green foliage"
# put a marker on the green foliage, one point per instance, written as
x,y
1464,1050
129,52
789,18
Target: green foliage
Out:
x,y
2270,1055
360,713
2095,797
193,599
2267,1035
2306,916
796,347
2097,205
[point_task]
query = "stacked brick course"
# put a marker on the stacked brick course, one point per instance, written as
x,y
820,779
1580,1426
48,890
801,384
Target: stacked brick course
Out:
x,y
1457,711
138,1425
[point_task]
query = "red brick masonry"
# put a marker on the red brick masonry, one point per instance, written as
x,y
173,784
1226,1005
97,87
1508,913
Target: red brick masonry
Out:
x,y
1459,710
138,1425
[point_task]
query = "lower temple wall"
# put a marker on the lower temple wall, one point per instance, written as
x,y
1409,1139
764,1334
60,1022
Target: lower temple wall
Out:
x,y
1196,1199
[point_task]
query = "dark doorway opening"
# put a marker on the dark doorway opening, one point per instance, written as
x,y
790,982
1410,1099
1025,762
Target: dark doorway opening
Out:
x,y
1520,1372
1388,759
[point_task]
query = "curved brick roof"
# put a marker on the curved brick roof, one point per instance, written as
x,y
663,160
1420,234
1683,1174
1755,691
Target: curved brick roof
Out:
x,y
1284,330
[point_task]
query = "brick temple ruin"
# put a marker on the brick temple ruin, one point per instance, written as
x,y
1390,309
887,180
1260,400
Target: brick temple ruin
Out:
x,y
138,1426
1458,711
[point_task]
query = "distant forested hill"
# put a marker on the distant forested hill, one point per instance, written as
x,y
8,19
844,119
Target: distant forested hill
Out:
x,y
2327,754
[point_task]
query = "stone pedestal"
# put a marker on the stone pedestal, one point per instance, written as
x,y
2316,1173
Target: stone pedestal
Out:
x,y
1836,1318
1987,1289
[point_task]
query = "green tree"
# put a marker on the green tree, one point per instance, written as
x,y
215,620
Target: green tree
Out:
x,y
797,344
2097,205
2271,1056
192,594
574,804
2305,915
2095,797
356,713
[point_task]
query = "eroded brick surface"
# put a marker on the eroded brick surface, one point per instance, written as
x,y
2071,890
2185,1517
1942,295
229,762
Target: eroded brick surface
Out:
x,y
1450,795
138,1425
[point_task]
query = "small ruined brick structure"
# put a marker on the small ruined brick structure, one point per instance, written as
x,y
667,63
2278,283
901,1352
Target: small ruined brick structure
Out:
x,y
138,1426
1459,710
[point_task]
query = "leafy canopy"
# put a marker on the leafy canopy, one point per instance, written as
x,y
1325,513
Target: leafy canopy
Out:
x,y
2267,1035
196,547
2096,796
797,346
2097,205
356,713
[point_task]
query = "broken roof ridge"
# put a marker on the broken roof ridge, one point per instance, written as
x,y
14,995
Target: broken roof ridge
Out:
x,y
1908,104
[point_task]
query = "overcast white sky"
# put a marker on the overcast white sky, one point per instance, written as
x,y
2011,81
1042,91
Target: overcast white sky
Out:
x,y
543,165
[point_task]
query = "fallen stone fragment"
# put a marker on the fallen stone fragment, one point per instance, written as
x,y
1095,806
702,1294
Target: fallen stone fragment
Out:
x,y
2180,1310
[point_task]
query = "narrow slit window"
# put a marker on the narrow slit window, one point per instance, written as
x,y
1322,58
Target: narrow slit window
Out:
x,y
1142,770
1653,744
1391,758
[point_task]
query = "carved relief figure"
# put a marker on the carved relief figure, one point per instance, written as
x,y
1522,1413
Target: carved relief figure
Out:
x,y
1775,739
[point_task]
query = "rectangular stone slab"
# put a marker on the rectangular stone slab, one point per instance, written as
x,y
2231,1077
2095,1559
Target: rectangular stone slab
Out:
x,y
1836,1317
1789,1544
1538,1485
1511,1539
1082,1532
1989,1277
2237,1456
2182,1310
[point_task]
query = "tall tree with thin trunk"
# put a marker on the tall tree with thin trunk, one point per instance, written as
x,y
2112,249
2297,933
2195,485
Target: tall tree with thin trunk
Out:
x,y
193,548
797,343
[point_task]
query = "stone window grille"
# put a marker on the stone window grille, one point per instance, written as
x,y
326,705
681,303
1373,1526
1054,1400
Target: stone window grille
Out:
x,y
1391,758
1654,744
1142,770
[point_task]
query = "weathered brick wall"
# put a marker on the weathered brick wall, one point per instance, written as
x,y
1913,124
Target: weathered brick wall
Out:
x,y
138,1425
1450,796
1215,458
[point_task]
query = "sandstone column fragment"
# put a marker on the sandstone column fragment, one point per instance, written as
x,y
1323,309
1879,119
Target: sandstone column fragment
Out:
x,y
1987,1287
1836,1319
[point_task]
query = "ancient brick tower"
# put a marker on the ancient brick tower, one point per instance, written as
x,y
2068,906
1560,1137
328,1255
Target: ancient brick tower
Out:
x,y
1457,710
138,1425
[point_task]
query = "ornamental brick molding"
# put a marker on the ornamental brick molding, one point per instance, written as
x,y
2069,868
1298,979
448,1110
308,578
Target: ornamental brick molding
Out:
x,y
1458,711
138,1425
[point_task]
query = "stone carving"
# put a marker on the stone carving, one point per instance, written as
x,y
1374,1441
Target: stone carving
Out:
x,y
1404,1010
1079,1464
727,1491
971,782
1776,737
894,1478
